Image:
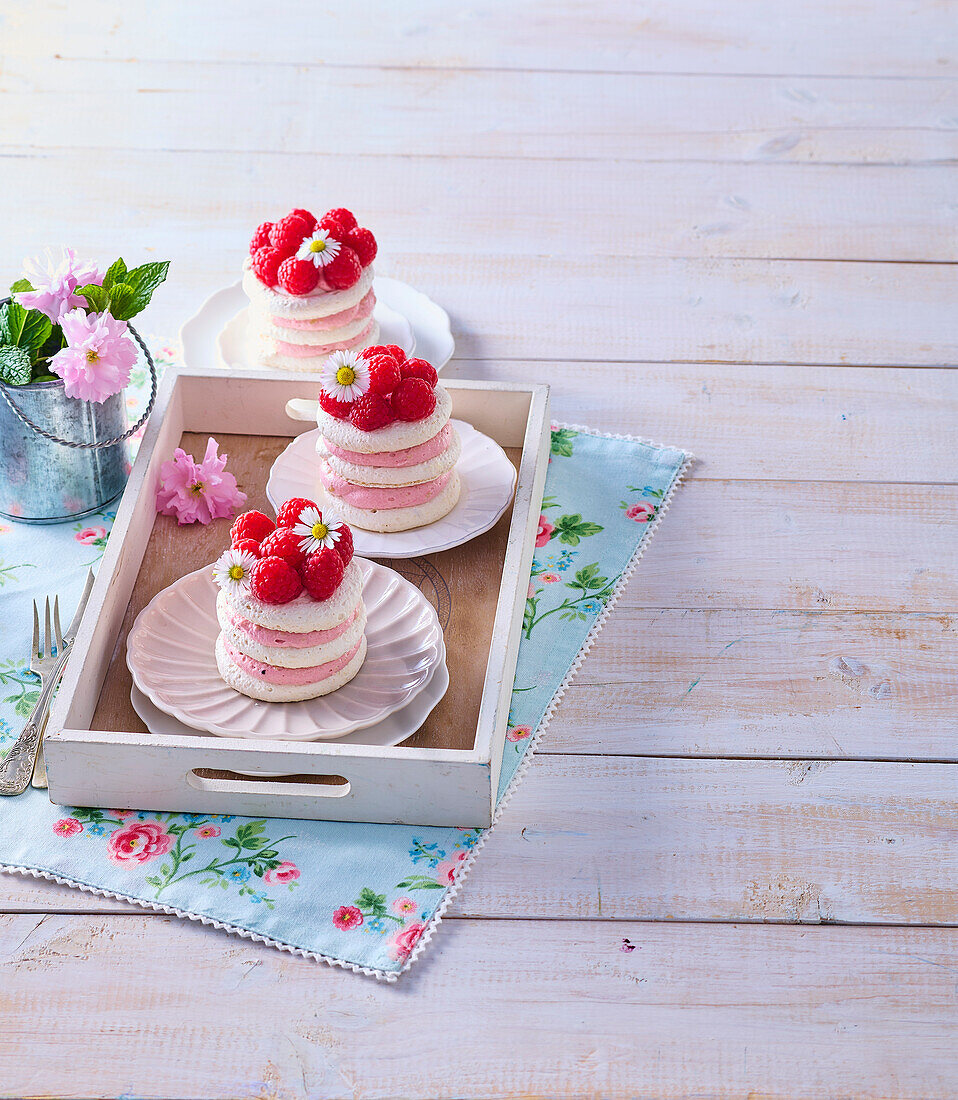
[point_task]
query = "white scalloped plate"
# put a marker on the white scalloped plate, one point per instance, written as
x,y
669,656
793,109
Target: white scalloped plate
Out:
x,y
170,656
406,317
391,730
488,482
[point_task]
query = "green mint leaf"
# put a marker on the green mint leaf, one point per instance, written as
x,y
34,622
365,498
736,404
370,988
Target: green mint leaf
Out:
x,y
21,286
14,365
116,273
144,280
12,319
36,331
121,301
95,295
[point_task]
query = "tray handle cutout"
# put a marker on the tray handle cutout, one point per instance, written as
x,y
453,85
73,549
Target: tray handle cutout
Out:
x,y
296,786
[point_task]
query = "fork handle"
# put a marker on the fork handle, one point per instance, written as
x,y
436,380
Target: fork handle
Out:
x,y
16,768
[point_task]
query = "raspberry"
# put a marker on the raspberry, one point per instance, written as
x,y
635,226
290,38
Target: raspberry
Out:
x,y
373,350
419,368
413,399
249,546
260,237
363,243
288,515
283,543
306,216
344,544
344,271
251,525
332,405
342,217
298,276
287,234
273,580
370,412
384,374
334,227
395,351
322,573
266,263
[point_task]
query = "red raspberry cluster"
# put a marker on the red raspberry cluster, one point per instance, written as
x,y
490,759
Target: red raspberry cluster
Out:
x,y
275,244
283,568
399,389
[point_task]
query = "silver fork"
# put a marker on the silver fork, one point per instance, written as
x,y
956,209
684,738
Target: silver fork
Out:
x,y
17,767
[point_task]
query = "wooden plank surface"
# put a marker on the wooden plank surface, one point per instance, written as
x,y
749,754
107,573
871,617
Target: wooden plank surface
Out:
x,y
692,1010
816,37
445,113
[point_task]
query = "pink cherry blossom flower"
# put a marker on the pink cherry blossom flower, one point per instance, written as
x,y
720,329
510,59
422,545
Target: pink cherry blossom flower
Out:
x,y
544,532
54,279
549,578
90,535
99,355
207,832
518,733
139,842
67,826
641,512
285,872
404,906
201,491
347,917
402,942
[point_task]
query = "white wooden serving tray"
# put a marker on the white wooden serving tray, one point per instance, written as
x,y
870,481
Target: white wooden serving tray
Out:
x,y
99,753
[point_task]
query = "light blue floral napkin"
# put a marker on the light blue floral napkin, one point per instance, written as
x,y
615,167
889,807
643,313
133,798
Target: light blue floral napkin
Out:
x,y
367,897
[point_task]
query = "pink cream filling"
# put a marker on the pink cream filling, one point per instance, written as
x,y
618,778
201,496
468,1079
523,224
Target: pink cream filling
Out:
x,y
307,351
287,639
382,496
363,308
411,456
272,674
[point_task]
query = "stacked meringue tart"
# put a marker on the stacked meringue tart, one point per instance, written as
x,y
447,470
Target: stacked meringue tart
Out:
x,y
310,285
290,606
387,451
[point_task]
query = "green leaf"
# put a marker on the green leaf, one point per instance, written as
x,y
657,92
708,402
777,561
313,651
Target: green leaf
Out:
x,y
15,366
154,881
121,301
21,286
95,295
570,529
562,442
115,273
144,280
253,842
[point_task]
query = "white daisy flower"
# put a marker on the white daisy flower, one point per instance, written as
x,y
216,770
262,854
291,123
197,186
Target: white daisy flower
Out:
x,y
320,248
344,376
231,569
317,533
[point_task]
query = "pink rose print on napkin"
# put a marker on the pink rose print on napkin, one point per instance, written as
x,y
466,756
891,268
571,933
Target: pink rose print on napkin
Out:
x,y
518,733
545,531
207,832
139,842
403,941
446,873
641,512
67,826
549,578
347,917
285,872
90,536
404,906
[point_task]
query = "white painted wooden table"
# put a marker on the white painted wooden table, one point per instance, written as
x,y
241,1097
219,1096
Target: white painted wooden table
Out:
x,y
726,225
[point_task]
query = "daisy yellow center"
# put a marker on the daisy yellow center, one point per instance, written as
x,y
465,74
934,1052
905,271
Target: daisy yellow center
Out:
x,y
320,531
93,356
317,246
345,376
236,572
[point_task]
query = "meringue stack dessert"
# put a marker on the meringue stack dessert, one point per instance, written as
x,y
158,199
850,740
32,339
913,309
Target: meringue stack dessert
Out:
x,y
387,452
309,282
290,605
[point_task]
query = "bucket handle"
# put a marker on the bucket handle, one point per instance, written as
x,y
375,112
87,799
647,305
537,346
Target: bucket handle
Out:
x,y
22,416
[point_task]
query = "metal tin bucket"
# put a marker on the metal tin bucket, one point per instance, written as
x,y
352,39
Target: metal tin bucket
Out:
x,y
61,458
